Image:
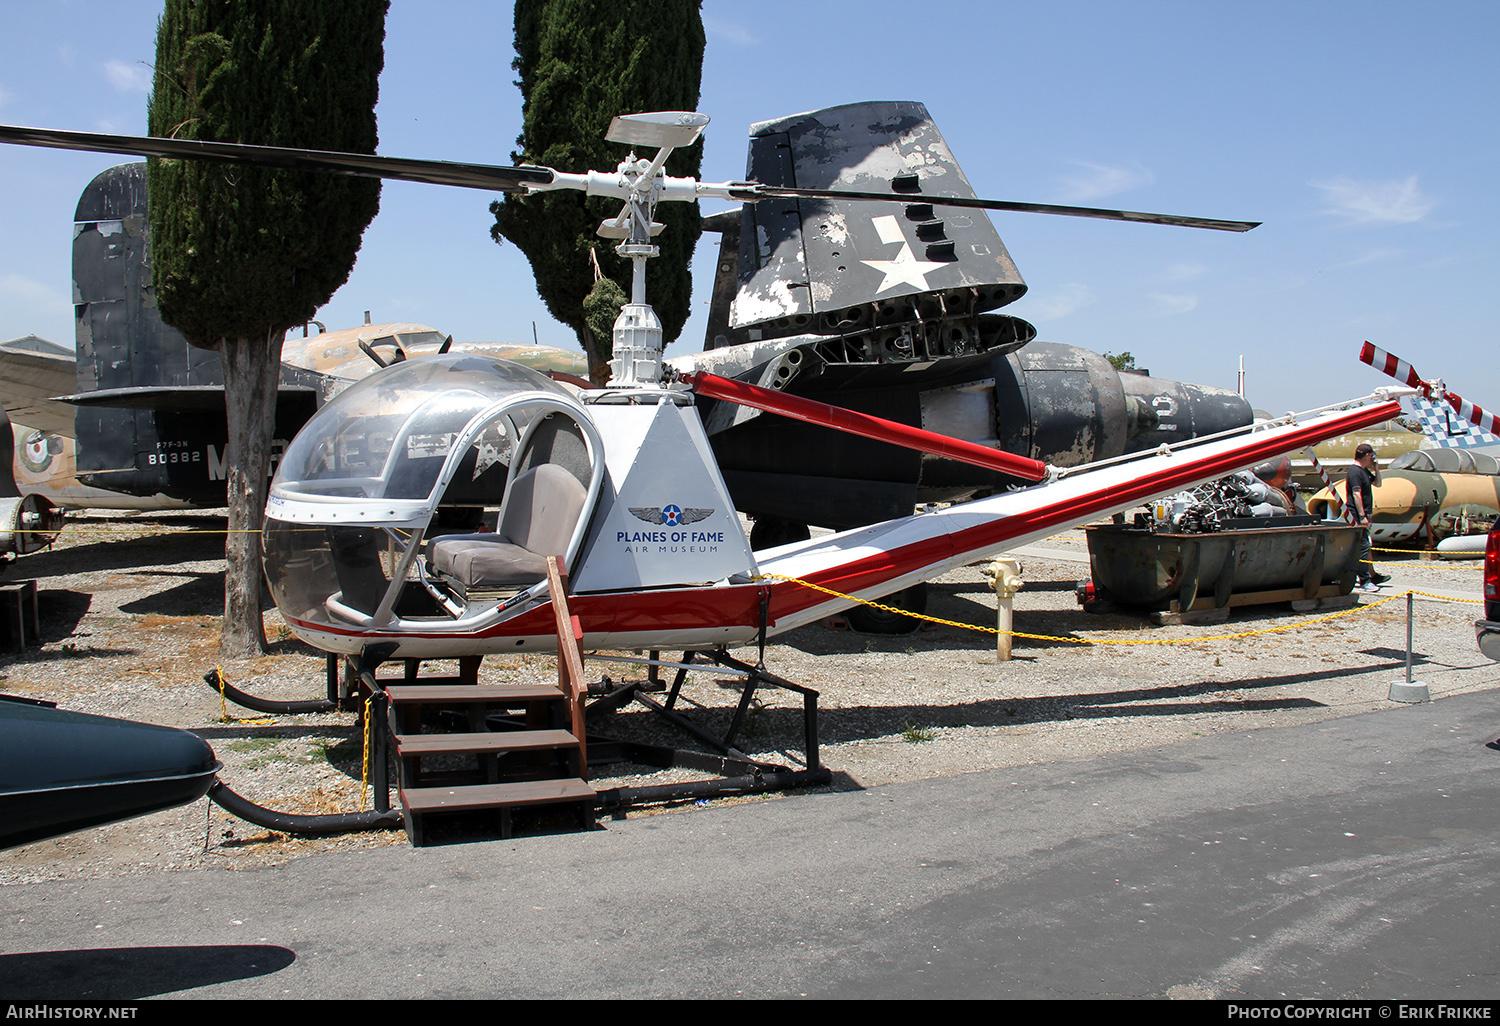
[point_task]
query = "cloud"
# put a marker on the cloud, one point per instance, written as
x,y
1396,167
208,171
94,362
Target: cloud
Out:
x,y
128,78
1098,180
1372,256
1184,272
1375,202
1165,304
731,32
1057,302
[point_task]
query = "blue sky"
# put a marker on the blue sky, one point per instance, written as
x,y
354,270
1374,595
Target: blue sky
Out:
x,y
1363,134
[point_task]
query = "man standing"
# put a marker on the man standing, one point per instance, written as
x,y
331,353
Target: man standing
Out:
x,y
1359,486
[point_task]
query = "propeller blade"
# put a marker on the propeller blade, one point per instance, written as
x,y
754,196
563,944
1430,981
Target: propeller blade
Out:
x,y
490,177
779,192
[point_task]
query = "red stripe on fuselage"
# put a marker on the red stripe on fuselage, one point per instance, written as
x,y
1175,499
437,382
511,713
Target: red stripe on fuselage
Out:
x,y
634,612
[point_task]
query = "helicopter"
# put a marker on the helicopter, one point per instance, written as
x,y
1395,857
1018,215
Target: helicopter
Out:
x,y
612,526
593,503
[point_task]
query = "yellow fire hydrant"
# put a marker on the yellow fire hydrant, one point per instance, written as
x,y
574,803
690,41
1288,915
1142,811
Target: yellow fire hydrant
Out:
x,y
1005,577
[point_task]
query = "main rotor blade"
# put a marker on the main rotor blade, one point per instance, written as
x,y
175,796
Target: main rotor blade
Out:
x,y
497,178
368,165
779,192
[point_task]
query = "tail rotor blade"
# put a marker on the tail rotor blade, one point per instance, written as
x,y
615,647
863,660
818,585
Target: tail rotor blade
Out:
x,y
1473,414
1397,368
1393,366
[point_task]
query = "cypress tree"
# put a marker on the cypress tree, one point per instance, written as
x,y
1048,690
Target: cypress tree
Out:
x,y
580,63
241,254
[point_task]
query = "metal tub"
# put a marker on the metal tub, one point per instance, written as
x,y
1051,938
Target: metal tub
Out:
x,y
1181,572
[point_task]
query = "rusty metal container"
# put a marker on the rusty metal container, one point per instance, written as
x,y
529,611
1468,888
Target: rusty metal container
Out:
x,y
1181,573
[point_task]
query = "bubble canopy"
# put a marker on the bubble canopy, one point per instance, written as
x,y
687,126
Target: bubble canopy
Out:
x,y
412,453
378,452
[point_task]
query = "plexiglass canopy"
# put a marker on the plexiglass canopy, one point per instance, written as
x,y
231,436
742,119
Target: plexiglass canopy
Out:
x,y
375,452
363,484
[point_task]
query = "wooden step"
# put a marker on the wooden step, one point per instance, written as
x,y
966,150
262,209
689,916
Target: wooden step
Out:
x,y
484,743
419,802
496,796
494,694
509,762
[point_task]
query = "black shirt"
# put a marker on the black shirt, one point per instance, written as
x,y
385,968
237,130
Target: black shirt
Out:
x,y
1358,479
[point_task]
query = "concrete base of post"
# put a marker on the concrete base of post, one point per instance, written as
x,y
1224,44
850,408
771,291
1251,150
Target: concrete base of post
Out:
x,y
1409,691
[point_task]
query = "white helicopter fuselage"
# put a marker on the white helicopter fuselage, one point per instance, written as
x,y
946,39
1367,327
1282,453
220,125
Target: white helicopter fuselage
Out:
x,y
657,558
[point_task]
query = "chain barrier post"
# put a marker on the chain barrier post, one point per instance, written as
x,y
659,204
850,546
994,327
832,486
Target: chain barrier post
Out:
x,y
1408,690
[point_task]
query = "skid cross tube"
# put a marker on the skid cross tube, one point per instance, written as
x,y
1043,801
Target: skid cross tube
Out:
x,y
755,677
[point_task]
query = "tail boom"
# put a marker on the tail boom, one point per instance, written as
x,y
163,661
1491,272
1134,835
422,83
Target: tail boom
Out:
x,y
883,558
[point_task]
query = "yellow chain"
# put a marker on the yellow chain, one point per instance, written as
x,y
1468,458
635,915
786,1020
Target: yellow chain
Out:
x,y
1112,641
1472,563
364,773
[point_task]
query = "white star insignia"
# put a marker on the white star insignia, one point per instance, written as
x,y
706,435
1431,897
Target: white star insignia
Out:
x,y
906,269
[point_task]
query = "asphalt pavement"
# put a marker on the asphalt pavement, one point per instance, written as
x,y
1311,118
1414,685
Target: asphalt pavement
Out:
x,y
1352,858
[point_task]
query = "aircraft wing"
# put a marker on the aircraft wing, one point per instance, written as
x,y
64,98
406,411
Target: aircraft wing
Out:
x,y
28,381
872,561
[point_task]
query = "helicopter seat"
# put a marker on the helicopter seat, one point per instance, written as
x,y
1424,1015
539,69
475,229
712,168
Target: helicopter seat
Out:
x,y
541,510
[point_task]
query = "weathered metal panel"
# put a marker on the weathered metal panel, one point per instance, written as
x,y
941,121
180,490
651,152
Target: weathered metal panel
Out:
x,y
123,343
850,268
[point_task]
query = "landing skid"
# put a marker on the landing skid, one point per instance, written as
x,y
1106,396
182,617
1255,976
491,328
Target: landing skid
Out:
x,y
738,772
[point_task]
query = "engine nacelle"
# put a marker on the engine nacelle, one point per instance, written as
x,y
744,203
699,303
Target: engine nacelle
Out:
x,y
28,523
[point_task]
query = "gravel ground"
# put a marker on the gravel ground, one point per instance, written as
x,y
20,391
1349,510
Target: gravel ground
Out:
x,y
129,622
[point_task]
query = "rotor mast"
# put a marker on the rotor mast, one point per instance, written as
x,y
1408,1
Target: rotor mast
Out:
x,y
637,339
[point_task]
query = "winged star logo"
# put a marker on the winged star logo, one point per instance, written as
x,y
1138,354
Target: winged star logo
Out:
x,y
670,516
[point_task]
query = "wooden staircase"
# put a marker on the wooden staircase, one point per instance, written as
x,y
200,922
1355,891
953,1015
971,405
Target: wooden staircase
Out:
x,y
538,760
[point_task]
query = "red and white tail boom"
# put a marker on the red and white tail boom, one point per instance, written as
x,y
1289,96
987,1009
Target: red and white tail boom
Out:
x,y
877,560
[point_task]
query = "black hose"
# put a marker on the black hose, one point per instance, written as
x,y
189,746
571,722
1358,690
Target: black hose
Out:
x,y
290,823
215,679
617,797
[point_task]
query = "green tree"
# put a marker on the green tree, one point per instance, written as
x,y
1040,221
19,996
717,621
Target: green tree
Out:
x,y
581,62
1120,361
241,254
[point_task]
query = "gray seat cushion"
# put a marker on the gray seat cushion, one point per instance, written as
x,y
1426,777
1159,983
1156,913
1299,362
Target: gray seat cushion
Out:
x,y
541,510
